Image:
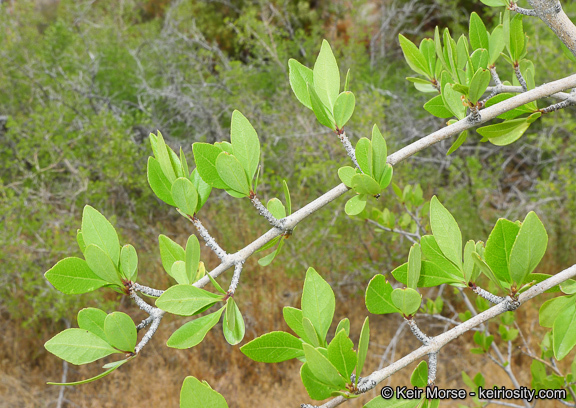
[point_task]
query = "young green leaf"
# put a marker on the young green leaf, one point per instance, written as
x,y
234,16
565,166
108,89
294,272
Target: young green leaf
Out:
x,y
322,368
92,319
379,154
459,142
111,367
202,188
364,184
326,76
186,300
178,272
342,355
214,283
414,57
73,276
563,333
387,176
504,133
273,347
267,260
495,3
192,333
245,143
344,324
205,156
436,107
315,388
102,265
287,197
192,256
128,262
499,246
485,269
414,265
363,154
322,112
276,208
528,249
97,230
185,195
163,158
120,331
300,76
478,85
233,323
343,108
478,32
311,333
78,346
497,44
453,102
231,172
159,182
170,252
446,232
318,302
362,348
345,174
407,300
419,377
194,394
378,296
516,37
550,309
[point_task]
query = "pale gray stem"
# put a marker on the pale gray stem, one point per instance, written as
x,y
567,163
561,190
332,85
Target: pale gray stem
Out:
x,y
551,13
210,242
349,149
424,339
432,367
236,277
153,327
144,323
409,235
490,297
561,105
146,290
520,78
521,10
141,304
263,211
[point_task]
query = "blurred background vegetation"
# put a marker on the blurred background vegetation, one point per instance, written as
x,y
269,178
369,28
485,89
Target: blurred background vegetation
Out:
x,y
83,83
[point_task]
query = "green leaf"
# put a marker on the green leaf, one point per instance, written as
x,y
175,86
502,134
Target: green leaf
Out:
x,y
170,252
322,368
499,246
128,262
73,276
345,174
497,44
287,197
120,331
80,241
563,333
453,102
469,265
386,177
478,85
550,309
102,265
186,300
528,249
485,269
364,184
205,156
322,112
446,232
202,188
436,107
300,76
407,300
96,230
293,318
568,287
194,394
344,324
393,402
231,172
192,333
414,265
362,348
276,208
459,142
326,76
163,158
111,367
273,347
364,155
478,32
184,195
495,3
414,57
379,155
192,256
267,260
378,296
316,389
318,302
78,346
92,319
233,323
516,37
245,143
479,59
504,133
159,182
419,377
342,355
215,284
178,272
343,108
311,333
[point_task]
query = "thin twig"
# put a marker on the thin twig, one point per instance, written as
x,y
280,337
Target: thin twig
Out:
x,y
264,212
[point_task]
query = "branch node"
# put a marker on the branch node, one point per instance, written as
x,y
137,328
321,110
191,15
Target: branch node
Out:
x,y
263,211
